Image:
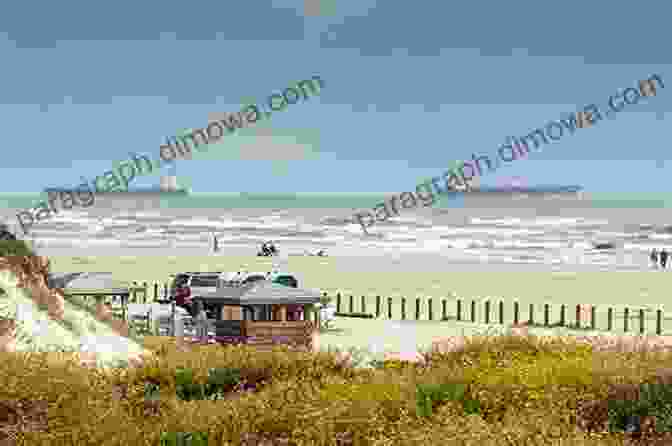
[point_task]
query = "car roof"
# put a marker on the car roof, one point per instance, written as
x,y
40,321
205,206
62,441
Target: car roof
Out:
x,y
230,275
199,273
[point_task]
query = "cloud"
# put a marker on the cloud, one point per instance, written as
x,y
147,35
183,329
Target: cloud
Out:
x,y
273,148
262,143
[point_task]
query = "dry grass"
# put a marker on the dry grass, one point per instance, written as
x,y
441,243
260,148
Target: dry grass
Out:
x,y
531,391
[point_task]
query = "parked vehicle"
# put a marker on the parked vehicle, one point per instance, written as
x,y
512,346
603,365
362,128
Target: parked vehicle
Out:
x,y
244,278
186,285
268,249
287,280
254,277
241,278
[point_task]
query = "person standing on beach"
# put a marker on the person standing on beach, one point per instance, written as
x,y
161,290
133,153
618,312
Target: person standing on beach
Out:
x,y
654,257
663,258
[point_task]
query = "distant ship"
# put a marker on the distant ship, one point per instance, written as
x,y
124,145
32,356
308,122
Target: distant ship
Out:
x,y
540,189
473,193
514,186
167,186
147,191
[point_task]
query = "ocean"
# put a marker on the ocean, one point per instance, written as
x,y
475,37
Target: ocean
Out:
x,y
499,231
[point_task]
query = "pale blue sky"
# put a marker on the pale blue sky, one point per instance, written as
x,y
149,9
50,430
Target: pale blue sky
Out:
x,y
409,87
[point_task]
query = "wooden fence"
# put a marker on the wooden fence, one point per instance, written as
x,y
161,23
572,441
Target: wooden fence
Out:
x,y
153,292
488,312
141,292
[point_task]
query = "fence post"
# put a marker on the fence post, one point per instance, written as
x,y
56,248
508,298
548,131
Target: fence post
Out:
x,y
562,315
135,292
444,310
172,320
610,319
165,291
473,311
403,308
338,302
352,304
389,308
592,317
417,308
363,305
430,309
626,319
659,322
145,293
377,306
546,315
641,321
578,316
501,312
516,313
487,311
531,314
459,309
156,291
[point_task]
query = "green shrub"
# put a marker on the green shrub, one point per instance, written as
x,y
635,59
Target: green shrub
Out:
x,y
187,389
10,248
659,398
184,438
152,391
429,396
655,399
471,406
622,412
219,382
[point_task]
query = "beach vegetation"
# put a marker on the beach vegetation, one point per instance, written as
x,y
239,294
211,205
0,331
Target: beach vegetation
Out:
x,y
496,390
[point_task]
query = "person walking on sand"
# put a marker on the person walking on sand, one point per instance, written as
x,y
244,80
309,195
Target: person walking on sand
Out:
x,y
663,258
654,257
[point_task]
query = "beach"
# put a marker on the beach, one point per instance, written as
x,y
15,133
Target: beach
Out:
x,y
532,250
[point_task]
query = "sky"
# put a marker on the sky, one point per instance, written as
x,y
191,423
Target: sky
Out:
x,y
410,88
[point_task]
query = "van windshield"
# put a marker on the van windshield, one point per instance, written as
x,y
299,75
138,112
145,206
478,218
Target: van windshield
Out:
x,y
204,281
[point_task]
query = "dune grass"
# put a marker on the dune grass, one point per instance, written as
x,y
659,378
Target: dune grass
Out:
x,y
494,390
497,389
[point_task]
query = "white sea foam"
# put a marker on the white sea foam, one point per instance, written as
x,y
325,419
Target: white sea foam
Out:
x,y
458,236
